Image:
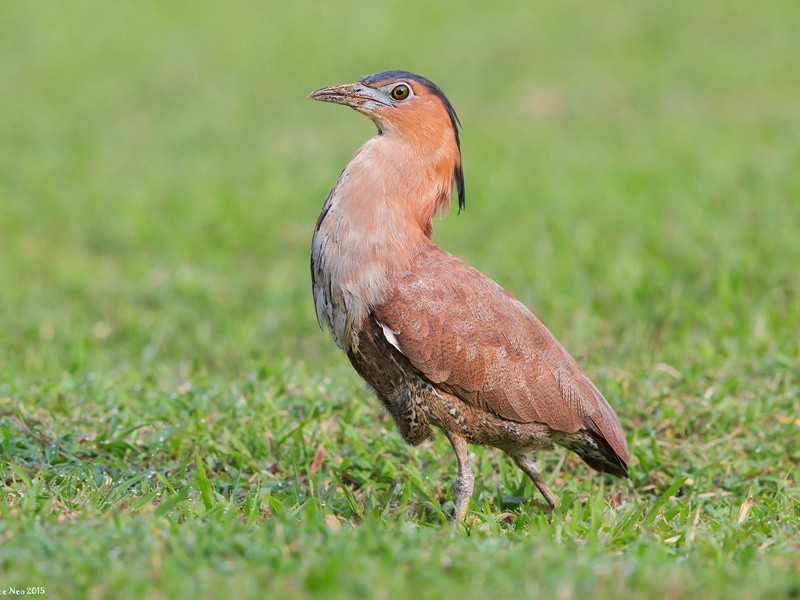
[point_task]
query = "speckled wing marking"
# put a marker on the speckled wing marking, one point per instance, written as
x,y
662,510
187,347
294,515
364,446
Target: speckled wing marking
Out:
x,y
471,338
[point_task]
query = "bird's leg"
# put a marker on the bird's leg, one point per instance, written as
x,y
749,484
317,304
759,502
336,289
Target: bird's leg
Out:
x,y
465,480
527,462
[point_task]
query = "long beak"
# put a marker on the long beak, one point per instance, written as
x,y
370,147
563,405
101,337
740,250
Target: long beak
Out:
x,y
351,94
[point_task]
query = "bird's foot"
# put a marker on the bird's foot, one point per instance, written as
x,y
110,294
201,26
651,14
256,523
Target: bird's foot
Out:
x,y
540,505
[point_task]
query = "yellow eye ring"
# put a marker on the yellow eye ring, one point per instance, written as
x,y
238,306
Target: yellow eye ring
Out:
x,y
400,92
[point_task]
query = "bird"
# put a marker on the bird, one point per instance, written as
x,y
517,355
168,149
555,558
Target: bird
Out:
x,y
442,345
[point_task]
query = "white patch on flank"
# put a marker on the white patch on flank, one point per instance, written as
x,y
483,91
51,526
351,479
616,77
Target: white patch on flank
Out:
x,y
390,335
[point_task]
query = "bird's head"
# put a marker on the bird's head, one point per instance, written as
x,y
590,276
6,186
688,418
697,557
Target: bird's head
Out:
x,y
408,106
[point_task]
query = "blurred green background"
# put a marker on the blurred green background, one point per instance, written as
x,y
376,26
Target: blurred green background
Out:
x,y
633,175
632,171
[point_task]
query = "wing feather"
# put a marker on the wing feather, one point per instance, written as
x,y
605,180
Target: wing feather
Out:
x,y
468,335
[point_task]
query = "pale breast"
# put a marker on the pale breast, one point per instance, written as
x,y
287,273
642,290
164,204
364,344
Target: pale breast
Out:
x,y
348,272
365,231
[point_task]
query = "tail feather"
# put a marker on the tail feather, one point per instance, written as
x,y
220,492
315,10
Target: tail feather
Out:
x,y
604,458
617,470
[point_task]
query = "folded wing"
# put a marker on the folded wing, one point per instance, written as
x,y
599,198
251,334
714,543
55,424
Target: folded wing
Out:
x,y
471,338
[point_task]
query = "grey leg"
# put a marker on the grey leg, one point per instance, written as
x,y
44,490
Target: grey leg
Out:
x,y
527,462
465,481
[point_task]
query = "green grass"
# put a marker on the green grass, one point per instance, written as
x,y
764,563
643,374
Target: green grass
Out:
x,y
174,424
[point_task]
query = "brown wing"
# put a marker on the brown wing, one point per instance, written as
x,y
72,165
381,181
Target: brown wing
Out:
x,y
469,336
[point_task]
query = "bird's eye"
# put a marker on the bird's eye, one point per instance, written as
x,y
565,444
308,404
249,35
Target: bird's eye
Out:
x,y
400,92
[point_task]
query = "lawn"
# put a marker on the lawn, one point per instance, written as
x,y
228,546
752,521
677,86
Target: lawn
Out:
x,y
173,423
